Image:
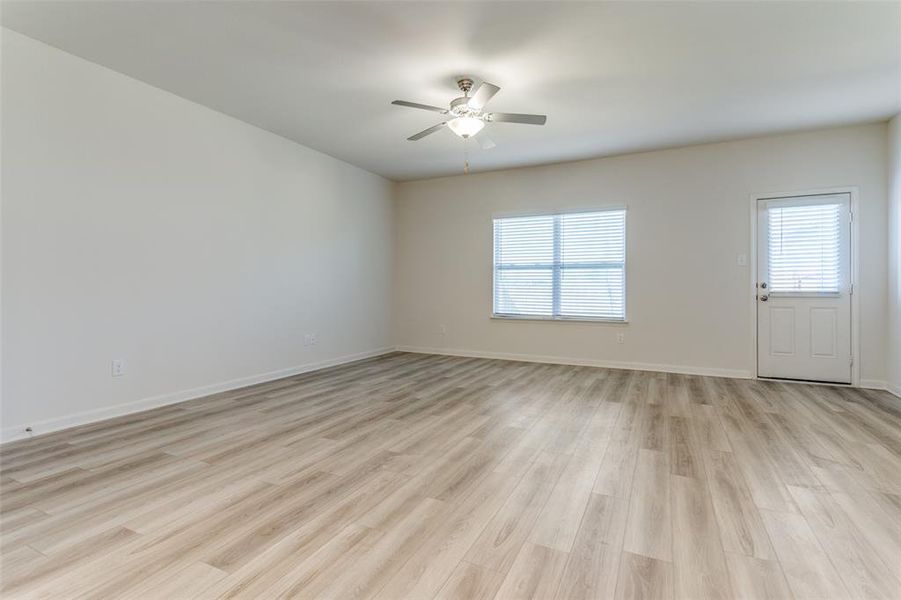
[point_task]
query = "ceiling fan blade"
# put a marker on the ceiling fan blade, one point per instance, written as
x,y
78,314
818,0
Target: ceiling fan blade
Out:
x,y
484,141
422,106
517,118
482,95
426,132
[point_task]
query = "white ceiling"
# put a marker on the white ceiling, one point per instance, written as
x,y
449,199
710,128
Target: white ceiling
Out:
x,y
613,77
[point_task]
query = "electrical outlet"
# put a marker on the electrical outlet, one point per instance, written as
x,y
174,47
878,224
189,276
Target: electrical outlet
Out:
x,y
620,338
308,339
442,329
117,367
314,339
742,260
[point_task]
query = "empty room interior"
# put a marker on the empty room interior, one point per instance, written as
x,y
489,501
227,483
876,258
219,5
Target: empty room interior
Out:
x,y
461,300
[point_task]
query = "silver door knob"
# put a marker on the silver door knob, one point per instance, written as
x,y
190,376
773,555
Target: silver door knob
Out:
x,y
763,285
764,298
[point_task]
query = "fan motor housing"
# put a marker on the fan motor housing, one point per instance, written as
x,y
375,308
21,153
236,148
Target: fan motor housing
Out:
x,y
460,107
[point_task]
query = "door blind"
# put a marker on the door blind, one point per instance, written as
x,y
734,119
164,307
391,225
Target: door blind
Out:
x,y
566,266
804,248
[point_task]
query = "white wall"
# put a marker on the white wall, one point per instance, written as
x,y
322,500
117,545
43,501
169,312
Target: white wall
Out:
x,y
139,225
689,213
893,368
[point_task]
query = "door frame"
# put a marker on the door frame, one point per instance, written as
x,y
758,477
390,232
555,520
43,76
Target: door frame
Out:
x,y
852,192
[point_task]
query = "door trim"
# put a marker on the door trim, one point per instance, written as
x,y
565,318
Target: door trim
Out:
x,y
852,192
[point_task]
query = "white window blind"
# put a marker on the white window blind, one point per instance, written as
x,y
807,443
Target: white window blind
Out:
x,y
804,248
566,266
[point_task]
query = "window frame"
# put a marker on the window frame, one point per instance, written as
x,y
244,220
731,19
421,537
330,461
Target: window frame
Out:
x,y
814,200
570,319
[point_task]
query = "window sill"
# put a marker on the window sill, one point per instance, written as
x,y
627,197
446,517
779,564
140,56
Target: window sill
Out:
x,y
560,319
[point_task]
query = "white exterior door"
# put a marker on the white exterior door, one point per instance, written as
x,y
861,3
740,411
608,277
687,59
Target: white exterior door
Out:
x,y
804,288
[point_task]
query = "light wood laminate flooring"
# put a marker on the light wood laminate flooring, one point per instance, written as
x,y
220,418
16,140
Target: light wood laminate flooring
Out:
x,y
418,476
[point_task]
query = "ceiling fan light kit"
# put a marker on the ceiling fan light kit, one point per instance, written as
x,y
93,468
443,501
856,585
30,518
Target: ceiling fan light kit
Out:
x,y
468,118
466,126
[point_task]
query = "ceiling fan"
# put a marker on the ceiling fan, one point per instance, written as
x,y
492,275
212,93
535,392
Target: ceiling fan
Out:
x,y
467,113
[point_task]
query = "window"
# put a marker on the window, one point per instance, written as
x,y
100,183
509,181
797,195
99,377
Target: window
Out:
x,y
804,249
565,266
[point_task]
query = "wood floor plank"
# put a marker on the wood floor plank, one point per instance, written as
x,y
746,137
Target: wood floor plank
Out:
x,y
740,524
496,548
561,516
649,529
698,559
86,555
469,582
20,563
372,568
808,570
761,476
593,565
644,578
686,455
858,564
757,579
618,466
427,571
873,523
284,563
303,575
536,573
417,476
189,581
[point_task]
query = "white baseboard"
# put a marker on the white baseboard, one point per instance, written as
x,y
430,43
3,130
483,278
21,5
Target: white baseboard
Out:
x,y
91,416
562,360
876,384
873,384
83,418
